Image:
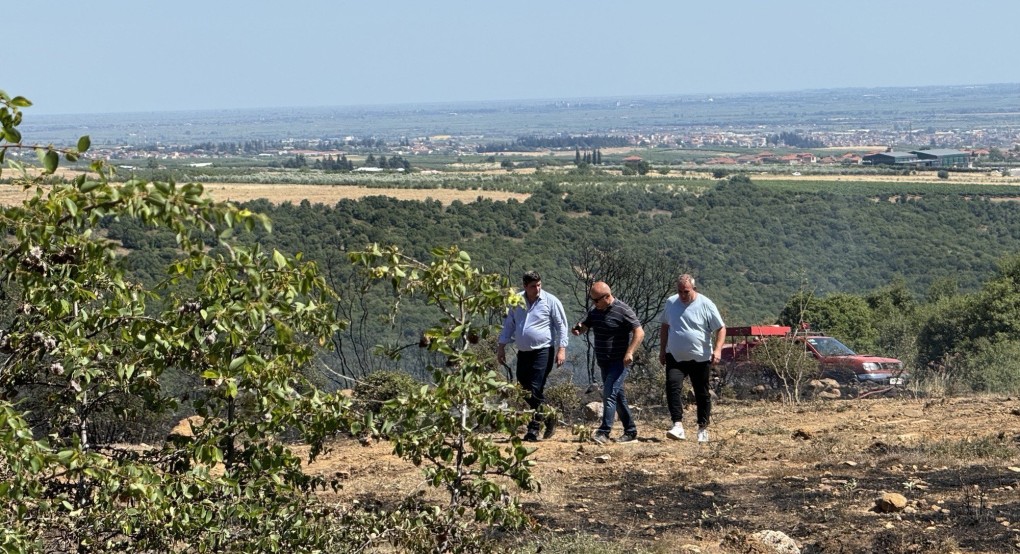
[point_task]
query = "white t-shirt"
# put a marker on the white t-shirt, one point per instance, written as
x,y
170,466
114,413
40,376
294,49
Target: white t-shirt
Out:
x,y
691,328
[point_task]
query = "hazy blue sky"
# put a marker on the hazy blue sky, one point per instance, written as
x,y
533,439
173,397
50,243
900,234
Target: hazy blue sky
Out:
x,y
135,55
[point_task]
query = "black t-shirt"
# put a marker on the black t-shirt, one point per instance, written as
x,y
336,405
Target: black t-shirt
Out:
x,y
612,328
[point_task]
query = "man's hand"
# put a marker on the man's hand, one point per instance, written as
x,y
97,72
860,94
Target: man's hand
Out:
x,y
501,354
628,358
561,356
716,355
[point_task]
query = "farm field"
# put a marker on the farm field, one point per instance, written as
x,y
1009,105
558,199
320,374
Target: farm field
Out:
x,y
330,194
323,194
278,193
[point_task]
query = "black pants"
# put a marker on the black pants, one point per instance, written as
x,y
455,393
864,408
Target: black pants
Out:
x,y
533,368
699,373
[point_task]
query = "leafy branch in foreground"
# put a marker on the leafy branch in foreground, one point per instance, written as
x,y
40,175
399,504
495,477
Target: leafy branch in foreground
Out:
x,y
80,341
10,137
447,427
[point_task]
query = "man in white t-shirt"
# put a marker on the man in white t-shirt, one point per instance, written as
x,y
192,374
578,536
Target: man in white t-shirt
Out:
x,y
690,341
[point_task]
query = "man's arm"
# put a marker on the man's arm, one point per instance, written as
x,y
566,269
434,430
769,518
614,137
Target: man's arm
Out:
x,y
505,336
720,340
635,341
560,334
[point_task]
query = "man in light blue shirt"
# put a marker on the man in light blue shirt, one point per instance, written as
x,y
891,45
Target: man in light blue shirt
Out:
x,y
539,330
690,341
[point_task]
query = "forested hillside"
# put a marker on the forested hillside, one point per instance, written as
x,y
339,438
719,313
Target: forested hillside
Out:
x,y
752,247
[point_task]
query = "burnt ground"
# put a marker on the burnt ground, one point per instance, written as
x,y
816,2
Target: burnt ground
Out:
x,y
811,471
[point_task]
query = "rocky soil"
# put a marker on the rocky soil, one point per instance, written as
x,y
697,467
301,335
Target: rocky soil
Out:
x,y
846,475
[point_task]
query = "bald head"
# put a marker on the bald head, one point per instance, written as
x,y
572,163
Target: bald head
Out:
x,y
600,295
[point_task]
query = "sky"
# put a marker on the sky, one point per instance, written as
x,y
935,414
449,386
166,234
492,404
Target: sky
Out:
x,y
114,56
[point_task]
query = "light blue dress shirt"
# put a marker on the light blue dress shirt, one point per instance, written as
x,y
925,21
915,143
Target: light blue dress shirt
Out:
x,y
538,325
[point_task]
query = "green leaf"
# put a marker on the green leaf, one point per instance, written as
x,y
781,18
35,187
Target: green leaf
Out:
x,y
84,143
12,135
21,102
279,259
50,161
72,208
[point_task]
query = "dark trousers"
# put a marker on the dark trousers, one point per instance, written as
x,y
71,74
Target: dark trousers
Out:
x,y
533,368
699,373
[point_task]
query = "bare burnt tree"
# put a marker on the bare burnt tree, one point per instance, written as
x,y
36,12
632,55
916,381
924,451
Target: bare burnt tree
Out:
x,y
643,279
356,346
351,345
357,350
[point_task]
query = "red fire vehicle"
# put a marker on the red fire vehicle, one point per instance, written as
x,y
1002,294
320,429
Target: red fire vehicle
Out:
x,y
835,359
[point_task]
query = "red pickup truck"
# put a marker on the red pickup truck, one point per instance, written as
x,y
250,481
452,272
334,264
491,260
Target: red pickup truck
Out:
x,y
835,359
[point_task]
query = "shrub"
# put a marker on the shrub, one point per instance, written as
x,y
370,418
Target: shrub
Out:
x,y
381,386
646,384
992,366
565,399
789,361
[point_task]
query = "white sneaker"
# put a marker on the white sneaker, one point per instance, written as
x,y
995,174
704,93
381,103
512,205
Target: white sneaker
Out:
x,y
677,432
702,434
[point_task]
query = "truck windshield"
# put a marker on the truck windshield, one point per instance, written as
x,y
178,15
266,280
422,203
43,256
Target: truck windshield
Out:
x,y
828,346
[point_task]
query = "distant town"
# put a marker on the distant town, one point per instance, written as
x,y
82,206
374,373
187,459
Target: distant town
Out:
x,y
961,125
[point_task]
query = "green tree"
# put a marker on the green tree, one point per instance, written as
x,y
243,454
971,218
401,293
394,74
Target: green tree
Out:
x,y
842,315
244,323
962,334
895,317
241,321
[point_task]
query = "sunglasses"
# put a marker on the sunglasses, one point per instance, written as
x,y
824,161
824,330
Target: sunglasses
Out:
x,y
599,299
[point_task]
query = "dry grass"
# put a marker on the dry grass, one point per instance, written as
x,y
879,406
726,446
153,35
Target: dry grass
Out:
x,y
316,194
331,194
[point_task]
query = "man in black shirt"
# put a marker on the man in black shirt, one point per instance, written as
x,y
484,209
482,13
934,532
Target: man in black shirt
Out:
x,y
618,333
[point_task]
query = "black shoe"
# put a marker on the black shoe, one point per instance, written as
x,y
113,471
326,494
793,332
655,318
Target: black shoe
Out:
x,y
530,437
628,437
600,438
550,428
